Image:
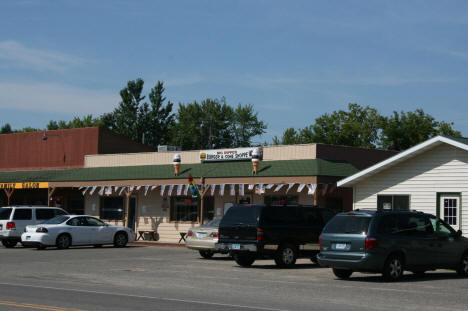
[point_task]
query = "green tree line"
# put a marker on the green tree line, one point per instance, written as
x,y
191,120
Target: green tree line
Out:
x,y
213,123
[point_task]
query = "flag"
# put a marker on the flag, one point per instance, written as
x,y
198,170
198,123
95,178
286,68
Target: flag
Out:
x,y
108,190
221,189
131,188
233,189
163,187
269,186
260,190
251,186
213,187
138,188
116,189
300,188
241,189
290,185
101,191
86,189
80,188
279,187
153,187
169,191
186,189
146,190
312,188
121,190
179,190
193,187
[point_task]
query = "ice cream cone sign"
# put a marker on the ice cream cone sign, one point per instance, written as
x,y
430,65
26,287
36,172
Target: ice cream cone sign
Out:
x,y
255,160
176,163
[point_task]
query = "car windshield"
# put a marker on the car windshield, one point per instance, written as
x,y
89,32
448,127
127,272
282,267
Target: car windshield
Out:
x,y
213,223
348,224
5,213
56,220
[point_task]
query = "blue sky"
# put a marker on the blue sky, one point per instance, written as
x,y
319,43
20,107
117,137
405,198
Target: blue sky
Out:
x,y
293,60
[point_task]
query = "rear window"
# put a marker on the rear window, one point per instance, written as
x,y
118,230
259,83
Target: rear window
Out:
x,y
5,213
44,214
57,220
241,214
22,214
348,224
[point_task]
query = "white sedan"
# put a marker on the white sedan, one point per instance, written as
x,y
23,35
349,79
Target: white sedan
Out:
x,y
71,230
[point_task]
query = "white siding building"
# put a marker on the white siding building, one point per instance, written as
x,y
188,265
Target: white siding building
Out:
x,y
431,177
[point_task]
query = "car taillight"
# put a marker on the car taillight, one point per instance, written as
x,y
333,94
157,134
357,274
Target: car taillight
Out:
x,y
10,225
259,234
214,234
371,242
190,233
42,230
320,242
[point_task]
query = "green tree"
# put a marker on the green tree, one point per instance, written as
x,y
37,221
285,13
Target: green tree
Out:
x,y
246,125
214,124
161,118
406,129
6,129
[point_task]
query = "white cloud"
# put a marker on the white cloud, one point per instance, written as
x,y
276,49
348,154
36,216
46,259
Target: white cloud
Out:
x,y
58,98
17,54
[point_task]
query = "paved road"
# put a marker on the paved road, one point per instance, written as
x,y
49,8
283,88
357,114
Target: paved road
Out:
x,y
167,278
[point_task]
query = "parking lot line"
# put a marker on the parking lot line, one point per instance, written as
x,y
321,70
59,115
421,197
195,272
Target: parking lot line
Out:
x,y
37,307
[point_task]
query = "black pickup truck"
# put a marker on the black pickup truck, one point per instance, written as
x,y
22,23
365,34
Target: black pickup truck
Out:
x,y
281,232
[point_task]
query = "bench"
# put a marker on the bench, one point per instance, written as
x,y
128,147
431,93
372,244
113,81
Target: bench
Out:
x,y
151,235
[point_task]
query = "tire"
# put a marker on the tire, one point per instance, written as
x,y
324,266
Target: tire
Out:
x,y
244,259
206,254
286,256
9,243
463,266
120,239
393,268
63,241
314,259
343,274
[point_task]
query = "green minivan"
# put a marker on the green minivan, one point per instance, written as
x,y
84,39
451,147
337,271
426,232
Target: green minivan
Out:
x,y
390,242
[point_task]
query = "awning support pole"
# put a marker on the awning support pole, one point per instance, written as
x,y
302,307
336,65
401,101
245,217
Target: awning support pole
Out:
x,y
128,193
202,201
50,193
9,193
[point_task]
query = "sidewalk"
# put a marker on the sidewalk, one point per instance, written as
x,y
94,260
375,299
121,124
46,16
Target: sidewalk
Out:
x,y
155,243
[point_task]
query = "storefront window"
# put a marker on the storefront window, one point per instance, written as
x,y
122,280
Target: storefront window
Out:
x,y
282,200
112,208
188,209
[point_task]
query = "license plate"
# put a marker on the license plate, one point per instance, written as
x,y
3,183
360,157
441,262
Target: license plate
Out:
x,y
341,245
28,237
235,246
201,235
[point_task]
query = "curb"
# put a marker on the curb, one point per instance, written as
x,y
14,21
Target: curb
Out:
x,y
142,243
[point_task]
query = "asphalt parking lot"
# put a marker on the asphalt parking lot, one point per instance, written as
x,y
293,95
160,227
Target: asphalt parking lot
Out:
x,y
172,278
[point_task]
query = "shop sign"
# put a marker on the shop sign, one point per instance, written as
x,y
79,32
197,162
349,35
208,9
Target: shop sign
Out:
x,y
24,185
235,154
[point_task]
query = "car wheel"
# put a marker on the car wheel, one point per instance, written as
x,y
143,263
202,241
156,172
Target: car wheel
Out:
x,y
206,254
343,274
63,241
9,243
244,259
120,239
314,259
286,256
393,268
463,267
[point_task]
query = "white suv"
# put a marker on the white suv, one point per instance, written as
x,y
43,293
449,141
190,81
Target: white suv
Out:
x,y
14,219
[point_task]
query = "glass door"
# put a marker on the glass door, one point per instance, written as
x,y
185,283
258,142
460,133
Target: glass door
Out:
x,y
450,210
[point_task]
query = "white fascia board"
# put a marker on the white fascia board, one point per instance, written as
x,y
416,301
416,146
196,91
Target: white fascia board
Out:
x,y
350,180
